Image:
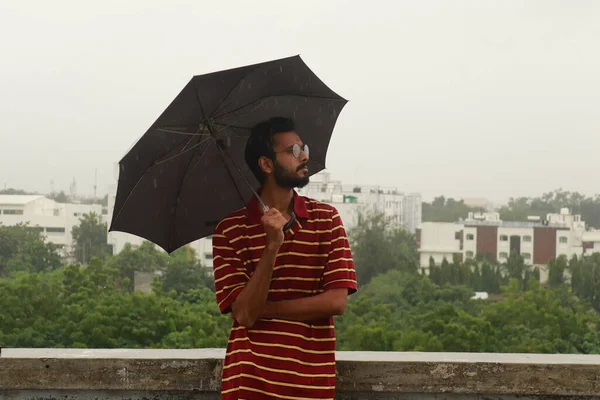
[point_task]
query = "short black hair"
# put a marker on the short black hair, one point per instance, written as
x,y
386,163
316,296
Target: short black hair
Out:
x,y
260,142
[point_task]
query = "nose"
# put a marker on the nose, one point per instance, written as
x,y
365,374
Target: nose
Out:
x,y
303,156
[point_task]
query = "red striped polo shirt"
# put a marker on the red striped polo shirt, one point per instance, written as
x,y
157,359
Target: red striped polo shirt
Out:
x,y
276,358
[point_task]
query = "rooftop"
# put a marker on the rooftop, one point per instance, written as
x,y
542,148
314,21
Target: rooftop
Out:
x,y
17,199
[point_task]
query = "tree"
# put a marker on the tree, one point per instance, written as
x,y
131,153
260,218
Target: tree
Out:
x,y
445,210
22,248
90,239
378,246
146,258
556,271
59,197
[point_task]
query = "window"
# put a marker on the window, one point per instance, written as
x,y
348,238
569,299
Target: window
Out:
x,y
563,239
208,256
470,254
55,230
527,238
13,212
503,254
470,236
503,238
526,256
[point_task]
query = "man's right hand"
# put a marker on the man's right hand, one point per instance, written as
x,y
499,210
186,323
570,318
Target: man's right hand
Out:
x,y
273,222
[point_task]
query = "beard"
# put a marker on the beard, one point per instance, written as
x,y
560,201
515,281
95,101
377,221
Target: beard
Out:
x,y
288,179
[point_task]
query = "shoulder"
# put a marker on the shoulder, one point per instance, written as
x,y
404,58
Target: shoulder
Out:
x,y
319,210
231,220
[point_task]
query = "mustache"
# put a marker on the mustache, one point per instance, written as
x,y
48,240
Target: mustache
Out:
x,y
305,165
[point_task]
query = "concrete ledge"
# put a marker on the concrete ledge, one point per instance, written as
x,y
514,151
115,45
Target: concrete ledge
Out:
x,y
383,374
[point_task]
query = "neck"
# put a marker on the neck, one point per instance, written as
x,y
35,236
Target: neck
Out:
x,y
277,197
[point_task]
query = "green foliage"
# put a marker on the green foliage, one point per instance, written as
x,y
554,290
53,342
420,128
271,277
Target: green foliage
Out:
x,y
94,306
445,210
518,209
22,248
378,246
400,312
90,239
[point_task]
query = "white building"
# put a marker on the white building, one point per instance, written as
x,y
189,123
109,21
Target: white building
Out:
x,y
54,220
400,208
537,241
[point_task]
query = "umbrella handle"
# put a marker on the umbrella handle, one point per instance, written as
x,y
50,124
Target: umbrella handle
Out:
x,y
289,224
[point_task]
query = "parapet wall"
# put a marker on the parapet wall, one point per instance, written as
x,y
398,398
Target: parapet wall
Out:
x,y
195,374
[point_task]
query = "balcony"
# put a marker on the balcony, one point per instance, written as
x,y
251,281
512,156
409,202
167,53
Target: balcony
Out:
x,y
195,374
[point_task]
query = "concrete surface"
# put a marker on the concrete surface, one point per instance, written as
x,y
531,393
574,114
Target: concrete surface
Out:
x,y
195,374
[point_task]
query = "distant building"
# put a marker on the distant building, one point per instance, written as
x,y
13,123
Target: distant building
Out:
x,y
537,241
54,220
400,208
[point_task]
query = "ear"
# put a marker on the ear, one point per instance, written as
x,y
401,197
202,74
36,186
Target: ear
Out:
x,y
266,165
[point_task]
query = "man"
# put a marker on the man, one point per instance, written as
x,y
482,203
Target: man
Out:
x,y
282,288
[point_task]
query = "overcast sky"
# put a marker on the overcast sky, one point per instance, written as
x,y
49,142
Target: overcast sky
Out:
x,y
462,98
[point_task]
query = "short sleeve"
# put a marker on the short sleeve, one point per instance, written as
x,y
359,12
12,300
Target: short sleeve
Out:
x,y
230,275
339,272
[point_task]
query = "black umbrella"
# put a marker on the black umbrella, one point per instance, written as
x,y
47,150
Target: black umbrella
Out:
x,y
188,170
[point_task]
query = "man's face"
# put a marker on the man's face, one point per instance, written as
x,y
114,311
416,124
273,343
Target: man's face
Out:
x,y
290,171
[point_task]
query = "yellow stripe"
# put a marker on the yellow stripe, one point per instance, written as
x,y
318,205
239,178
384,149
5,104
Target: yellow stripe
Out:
x,y
293,253
294,291
284,321
246,339
294,385
250,248
221,267
226,258
340,280
293,278
230,293
233,217
223,248
315,231
254,353
338,270
247,237
239,226
280,371
339,238
297,335
218,235
230,275
230,287
318,220
340,259
298,266
274,395
340,249
320,209
308,243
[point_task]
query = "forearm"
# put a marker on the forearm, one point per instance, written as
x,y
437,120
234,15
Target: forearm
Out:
x,y
247,307
324,305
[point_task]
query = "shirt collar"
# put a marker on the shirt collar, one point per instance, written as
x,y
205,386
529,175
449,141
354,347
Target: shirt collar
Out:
x,y
255,212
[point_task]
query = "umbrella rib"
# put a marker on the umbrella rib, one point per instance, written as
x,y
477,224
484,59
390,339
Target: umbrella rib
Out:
x,y
179,189
279,95
182,133
115,217
180,153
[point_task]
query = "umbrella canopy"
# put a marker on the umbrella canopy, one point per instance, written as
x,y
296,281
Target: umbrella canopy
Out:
x,y
188,171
